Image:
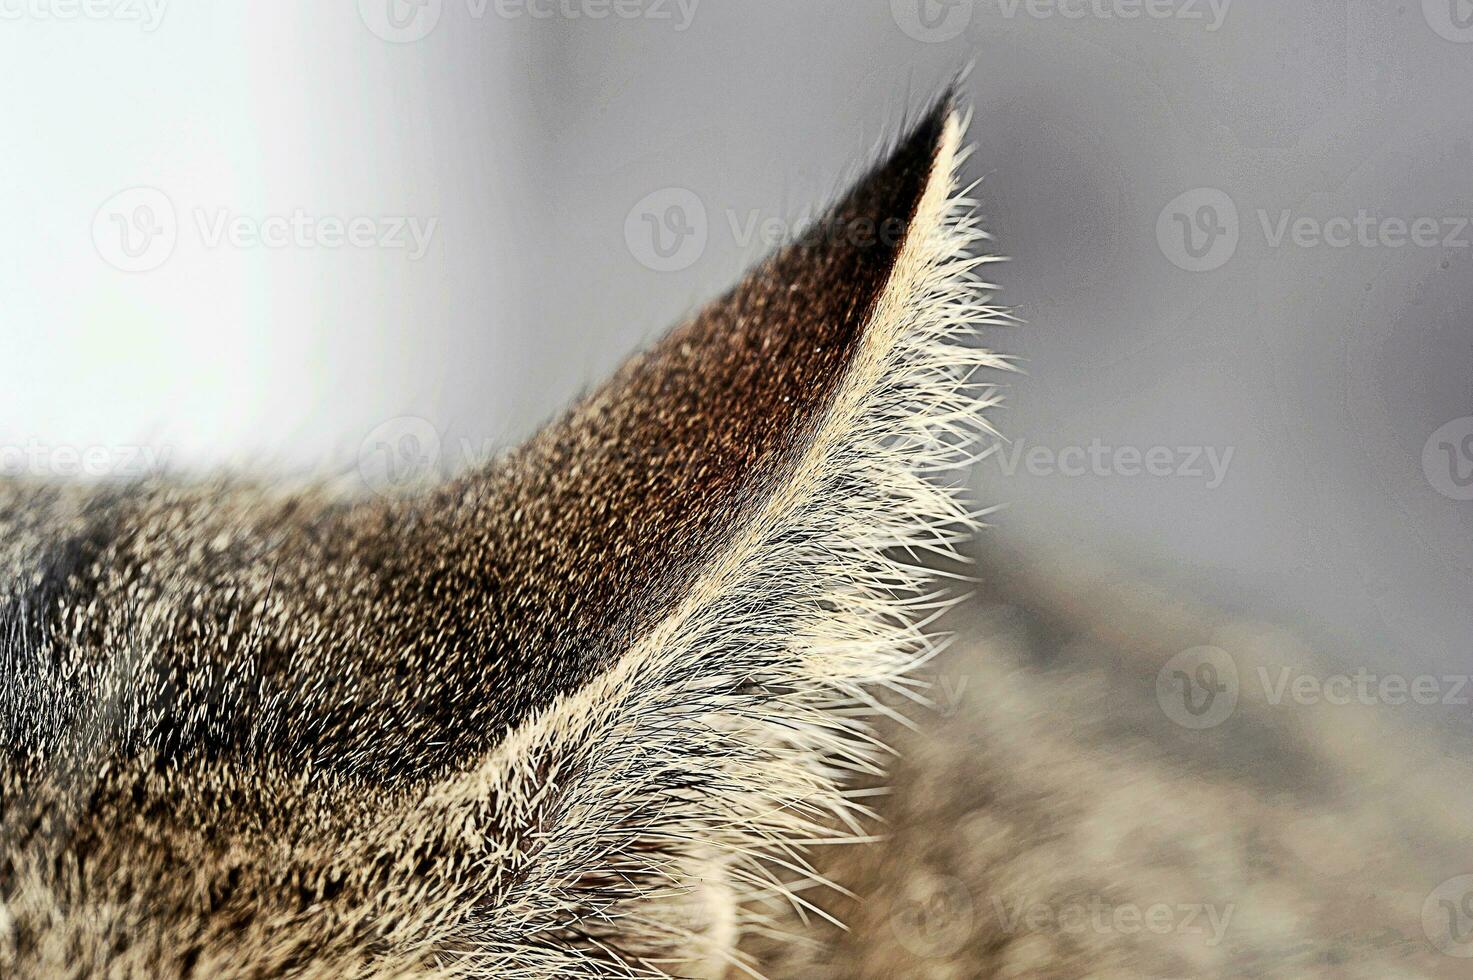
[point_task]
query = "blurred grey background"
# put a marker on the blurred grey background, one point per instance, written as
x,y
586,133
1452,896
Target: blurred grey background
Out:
x,y
1238,233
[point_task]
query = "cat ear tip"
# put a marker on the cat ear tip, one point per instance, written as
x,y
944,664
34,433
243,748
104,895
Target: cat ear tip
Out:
x,y
948,110
935,117
951,100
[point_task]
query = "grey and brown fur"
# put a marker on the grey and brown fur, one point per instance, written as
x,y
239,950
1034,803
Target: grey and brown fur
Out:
x,y
596,709
567,715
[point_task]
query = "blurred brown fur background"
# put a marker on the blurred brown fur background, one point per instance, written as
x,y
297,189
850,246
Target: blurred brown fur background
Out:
x,y
1049,819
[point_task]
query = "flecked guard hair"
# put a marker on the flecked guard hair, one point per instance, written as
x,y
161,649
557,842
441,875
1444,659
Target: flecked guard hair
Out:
x,y
583,712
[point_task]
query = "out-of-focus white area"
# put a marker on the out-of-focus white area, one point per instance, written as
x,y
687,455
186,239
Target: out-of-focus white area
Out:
x,y
1150,176
253,136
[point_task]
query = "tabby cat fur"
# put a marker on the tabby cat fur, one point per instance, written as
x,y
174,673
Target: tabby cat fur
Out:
x,y
620,703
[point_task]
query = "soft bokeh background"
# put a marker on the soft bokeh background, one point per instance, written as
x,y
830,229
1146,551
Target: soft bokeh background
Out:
x,y
541,138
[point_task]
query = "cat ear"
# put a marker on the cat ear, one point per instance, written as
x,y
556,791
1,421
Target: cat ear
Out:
x,y
577,714
702,581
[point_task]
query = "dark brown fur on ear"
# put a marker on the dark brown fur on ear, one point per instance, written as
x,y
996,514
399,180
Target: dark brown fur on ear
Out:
x,y
568,716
